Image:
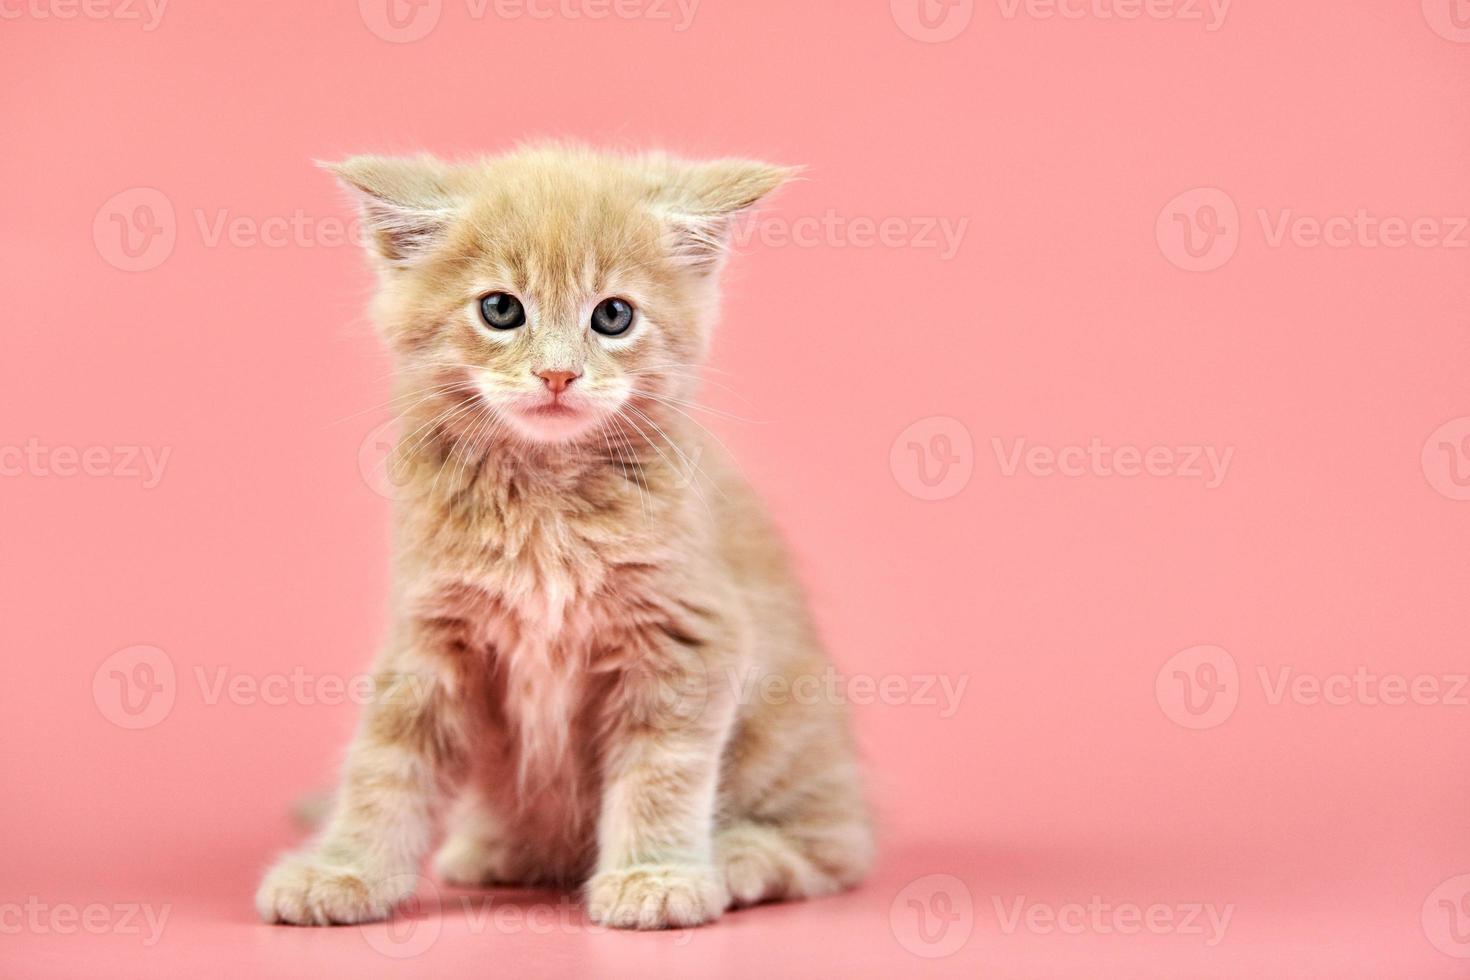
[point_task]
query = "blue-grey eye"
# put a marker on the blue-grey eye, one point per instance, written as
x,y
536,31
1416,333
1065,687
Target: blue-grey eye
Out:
x,y
612,317
502,311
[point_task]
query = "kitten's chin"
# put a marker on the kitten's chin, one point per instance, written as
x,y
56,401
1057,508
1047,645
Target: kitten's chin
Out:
x,y
551,424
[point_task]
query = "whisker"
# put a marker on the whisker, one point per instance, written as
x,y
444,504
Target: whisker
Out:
x,y
693,467
427,393
688,478
450,455
711,433
443,419
672,401
617,419
465,474
694,375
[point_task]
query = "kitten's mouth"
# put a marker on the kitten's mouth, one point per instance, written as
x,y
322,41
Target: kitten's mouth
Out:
x,y
551,421
552,410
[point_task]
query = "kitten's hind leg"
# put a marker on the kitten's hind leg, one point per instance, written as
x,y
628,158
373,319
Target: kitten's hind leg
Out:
x,y
478,850
764,862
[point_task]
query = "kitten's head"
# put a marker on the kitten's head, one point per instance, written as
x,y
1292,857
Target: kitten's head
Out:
x,y
551,288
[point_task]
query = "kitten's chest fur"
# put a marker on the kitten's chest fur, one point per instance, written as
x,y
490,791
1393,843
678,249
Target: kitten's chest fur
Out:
x,y
529,585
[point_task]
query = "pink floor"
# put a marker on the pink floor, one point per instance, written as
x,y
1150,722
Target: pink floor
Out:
x,y
205,927
121,880
1275,928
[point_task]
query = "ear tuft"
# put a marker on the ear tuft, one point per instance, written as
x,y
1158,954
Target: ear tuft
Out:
x,y
702,201
405,203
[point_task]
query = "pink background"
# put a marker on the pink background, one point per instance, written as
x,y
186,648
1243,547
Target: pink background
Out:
x,y
1072,309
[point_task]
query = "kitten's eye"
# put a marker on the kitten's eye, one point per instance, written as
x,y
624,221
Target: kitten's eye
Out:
x,y
612,317
502,311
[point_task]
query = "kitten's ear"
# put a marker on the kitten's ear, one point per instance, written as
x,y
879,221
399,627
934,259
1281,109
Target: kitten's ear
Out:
x,y
405,203
701,202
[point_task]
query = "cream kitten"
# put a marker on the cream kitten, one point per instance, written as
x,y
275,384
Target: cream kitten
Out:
x,y
584,618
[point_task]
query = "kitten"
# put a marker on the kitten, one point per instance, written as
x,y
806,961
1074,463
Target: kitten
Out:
x,y
584,617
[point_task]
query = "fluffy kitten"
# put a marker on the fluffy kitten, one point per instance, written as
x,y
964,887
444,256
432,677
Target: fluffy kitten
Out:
x,y
584,618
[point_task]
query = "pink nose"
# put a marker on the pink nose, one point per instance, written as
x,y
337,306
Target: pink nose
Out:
x,y
557,381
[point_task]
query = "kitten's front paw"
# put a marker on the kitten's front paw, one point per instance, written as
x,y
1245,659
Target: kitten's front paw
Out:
x,y
301,890
656,896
